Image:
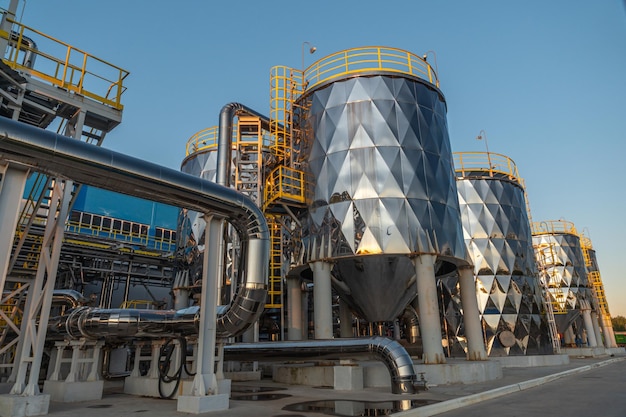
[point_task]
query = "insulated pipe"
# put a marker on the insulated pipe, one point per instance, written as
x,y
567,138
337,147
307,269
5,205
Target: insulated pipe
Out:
x,y
124,323
390,352
225,139
58,155
29,58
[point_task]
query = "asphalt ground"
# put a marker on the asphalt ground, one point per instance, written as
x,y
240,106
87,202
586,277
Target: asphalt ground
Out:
x,y
266,398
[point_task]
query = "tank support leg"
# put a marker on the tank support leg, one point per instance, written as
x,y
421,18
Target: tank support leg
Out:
x,y
471,316
294,319
596,329
428,308
345,320
322,300
591,334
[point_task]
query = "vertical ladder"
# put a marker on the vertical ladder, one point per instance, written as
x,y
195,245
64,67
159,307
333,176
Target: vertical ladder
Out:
x,y
275,279
552,294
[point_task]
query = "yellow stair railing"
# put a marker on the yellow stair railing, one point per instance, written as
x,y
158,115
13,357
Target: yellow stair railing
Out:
x,y
547,262
284,184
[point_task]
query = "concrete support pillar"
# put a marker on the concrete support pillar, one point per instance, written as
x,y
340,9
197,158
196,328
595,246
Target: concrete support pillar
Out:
x,y
345,320
428,309
305,314
82,382
570,338
596,329
591,334
471,315
11,191
607,329
204,389
294,308
135,372
153,372
322,300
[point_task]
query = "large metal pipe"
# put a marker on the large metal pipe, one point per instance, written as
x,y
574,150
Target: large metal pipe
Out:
x,y
117,324
391,353
61,156
225,140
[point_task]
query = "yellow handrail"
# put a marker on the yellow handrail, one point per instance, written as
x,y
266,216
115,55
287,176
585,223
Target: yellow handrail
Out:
x,y
202,140
363,60
207,139
552,227
102,81
284,183
490,163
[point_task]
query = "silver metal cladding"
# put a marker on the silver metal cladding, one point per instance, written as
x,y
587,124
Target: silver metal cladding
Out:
x,y
561,258
497,233
384,186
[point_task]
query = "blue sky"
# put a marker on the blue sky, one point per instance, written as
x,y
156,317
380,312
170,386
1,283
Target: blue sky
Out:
x,y
544,79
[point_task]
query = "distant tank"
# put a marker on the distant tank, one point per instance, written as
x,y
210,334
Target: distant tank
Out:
x,y
497,233
383,188
560,256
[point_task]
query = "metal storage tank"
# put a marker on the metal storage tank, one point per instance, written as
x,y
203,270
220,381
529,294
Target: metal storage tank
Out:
x,y
497,233
383,187
595,280
562,267
200,161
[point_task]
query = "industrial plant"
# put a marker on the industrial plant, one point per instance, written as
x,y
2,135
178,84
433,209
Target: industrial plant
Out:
x,y
338,228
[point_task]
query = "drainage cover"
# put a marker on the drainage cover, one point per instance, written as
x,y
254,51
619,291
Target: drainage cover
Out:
x,y
245,388
258,397
357,408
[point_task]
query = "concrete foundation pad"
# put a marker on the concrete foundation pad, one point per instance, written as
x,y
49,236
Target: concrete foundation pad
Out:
x,y
223,387
459,372
197,405
68,392
21,406
532,360
304,374
376,374
588,352
348,377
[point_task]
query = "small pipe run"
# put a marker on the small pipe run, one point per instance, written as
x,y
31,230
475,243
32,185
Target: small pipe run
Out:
x,y
390,352
57,155
411,321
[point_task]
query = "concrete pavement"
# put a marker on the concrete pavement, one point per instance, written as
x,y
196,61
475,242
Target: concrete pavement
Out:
x,y
267,398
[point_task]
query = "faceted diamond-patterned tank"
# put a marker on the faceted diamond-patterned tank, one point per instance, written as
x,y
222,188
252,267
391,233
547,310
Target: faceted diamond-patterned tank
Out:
x,y
560,257
383,181
497,233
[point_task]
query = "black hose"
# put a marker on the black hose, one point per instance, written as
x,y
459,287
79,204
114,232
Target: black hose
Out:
x,y
168,349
